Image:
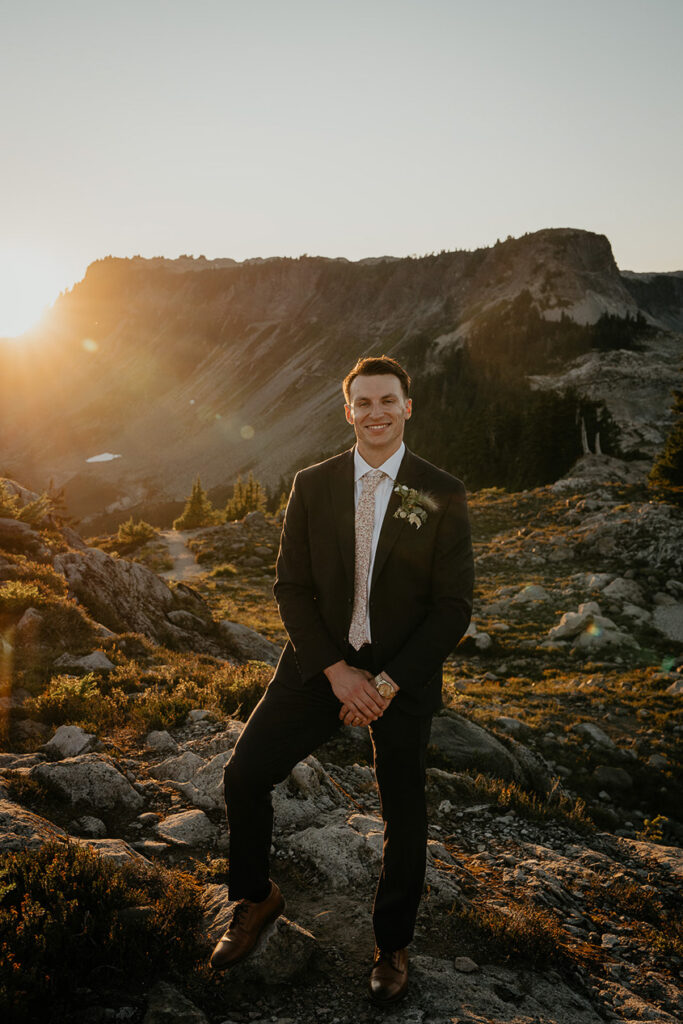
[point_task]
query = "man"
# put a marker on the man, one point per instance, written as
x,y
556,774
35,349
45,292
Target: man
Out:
x,y
374,586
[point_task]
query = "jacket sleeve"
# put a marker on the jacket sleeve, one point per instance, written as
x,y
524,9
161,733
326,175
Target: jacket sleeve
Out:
x,y
427,647
295,591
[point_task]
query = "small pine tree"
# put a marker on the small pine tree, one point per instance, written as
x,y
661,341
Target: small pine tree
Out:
x,y
666,475
198,510
246,497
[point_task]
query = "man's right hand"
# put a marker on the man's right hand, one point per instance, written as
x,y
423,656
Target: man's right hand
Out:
x,y
354,689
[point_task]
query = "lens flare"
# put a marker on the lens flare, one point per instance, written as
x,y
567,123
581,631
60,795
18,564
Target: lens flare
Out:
x,y
89,345
247,432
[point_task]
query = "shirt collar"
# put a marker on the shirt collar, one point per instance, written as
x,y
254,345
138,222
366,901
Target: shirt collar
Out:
x,y
390,467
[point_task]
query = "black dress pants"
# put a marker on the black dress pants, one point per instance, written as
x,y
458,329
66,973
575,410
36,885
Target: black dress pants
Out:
x,y
287,725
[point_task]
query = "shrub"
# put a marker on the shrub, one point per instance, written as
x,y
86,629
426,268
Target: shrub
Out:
x,y
33,512
66,914
78,701
17,596
134,535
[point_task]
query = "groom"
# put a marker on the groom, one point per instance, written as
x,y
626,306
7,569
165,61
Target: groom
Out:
x,y
374,586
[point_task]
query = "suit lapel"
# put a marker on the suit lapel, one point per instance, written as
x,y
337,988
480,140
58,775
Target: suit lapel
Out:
x,y
343,510
409,474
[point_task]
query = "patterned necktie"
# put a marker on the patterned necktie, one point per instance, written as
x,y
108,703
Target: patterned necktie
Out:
x,y
365,523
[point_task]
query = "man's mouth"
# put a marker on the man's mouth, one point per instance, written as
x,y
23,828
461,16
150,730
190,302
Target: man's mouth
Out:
x,y
376,428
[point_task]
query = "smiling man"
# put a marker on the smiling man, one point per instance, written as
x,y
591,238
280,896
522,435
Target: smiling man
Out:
x,y
374,586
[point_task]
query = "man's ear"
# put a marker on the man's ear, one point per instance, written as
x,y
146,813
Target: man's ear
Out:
x,y
348,412
409,408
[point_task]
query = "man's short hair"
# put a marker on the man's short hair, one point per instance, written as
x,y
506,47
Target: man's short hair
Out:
x,y
374,366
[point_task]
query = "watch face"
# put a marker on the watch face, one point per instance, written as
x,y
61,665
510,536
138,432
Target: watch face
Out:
x,y
385,689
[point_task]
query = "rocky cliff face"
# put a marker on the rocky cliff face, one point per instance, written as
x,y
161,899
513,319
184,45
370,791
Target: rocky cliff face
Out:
x,y
190,366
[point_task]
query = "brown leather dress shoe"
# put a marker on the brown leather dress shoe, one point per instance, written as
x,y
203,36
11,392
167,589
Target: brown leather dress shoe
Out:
x,y
389,976
247,922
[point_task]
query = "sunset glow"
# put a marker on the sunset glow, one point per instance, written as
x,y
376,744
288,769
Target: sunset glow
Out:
x,y
30,282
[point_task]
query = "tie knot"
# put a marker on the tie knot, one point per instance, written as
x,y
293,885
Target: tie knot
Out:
x,y
372,480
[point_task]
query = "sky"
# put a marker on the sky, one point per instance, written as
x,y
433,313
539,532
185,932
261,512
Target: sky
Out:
x,y
362,128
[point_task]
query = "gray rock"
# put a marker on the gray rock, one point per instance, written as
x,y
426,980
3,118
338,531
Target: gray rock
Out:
x,y
465,965
624,590
186,620
90,826
116,850
161,740
305,796
95,662
191,828
658,761
248,644
513,726
668,619
612,778
676,687
21,829
29,624
594,734
128,597
573,623
69,741
468,746
531,593
337,853
197,715
179,769
205,789
169,1006
89,780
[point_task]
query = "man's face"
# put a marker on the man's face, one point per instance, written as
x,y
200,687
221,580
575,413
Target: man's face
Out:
x,y
378,410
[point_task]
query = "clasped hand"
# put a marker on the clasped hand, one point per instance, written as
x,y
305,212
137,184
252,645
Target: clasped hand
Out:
x,y
354,689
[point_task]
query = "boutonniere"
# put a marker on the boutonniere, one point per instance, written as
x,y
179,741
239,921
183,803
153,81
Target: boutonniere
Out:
x,y
415,505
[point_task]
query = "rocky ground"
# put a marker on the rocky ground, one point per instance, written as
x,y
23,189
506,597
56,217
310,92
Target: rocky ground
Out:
x,y
555,862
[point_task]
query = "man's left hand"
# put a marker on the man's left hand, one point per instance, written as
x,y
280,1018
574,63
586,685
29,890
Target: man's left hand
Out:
x,y
350,717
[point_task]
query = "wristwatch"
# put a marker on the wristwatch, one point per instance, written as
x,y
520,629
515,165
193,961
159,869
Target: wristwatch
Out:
x,y
384,687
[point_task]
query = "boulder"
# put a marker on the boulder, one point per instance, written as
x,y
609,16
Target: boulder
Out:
x,y
283,951
167,1005
248,644
69,741
180,768
90,826
128,597
305,796
624,590
513,726
21,829
189,828
668,619
205,789
337,853
469,746
161,740
531,593
89,780
594,734
95,662
612,778
118,851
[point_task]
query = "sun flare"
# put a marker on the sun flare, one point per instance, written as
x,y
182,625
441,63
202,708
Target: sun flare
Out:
x,y
30,282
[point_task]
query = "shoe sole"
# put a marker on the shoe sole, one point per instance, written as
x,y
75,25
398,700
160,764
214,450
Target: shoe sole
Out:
x,y
277,912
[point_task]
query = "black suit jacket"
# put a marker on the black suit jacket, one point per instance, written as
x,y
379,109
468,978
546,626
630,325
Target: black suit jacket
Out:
x,y
421,589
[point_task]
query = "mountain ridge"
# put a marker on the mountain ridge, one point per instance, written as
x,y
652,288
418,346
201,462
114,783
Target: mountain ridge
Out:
x,y
191,365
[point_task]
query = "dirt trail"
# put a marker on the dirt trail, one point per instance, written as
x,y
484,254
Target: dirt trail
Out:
x,y
185,566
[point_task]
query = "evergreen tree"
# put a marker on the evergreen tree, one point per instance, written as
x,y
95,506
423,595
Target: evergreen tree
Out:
x,y
666,475
198,510
246,497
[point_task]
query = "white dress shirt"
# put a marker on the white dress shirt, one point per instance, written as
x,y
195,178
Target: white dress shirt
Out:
x,y
382,496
